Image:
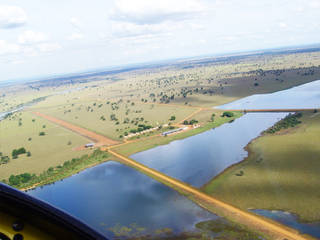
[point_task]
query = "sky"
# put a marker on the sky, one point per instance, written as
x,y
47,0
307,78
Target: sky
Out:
x,y
45,37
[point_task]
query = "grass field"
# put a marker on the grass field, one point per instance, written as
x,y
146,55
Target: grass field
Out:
x,y
96,116
281,173
52,149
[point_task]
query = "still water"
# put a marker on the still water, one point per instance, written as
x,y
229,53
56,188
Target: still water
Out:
x,y
292,221
199,158
112,194
303,96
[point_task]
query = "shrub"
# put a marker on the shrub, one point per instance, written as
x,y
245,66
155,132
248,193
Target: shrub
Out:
x,y
42,133
193,121
228,114
173,118
212,117
4,160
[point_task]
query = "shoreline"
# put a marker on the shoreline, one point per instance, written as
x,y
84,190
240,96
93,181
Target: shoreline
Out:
x,y
242,163
168,140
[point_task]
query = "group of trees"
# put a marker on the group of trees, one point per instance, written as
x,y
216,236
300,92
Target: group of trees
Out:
x,y
290,121
15,180
16,152
141,127
191,122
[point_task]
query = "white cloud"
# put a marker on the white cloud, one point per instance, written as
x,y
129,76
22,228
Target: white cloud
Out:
x,y
75,22
75,36
48,47
12,16
155,11
283,25
8,48
314,4
31,37
127,29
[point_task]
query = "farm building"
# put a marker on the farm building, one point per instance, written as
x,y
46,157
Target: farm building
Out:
x,y
172,131
89,145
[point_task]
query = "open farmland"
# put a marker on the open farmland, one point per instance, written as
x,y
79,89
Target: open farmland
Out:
x,y
281,172
115,119
54,148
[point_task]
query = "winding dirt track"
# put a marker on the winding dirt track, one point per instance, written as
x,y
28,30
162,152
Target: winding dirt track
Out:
x,y
269,227
97,138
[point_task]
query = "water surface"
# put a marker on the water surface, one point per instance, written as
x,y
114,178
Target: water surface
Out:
x,y
291,220
303,96
199,158
111,194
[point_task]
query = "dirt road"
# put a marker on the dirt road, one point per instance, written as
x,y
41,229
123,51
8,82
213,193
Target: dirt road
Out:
x,y
97,138
268,226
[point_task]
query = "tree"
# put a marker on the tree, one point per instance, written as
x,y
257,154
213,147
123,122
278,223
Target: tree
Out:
x,y
227,114
42,133
173,118
212,117
185,122
28,154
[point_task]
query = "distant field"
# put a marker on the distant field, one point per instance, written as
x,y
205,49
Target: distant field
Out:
x,y
52,149
281,173
133,98
96,116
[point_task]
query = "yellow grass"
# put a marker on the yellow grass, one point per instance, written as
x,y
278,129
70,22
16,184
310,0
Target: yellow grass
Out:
x,y
49,150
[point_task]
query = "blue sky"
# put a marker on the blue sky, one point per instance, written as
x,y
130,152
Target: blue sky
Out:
x,y
45,37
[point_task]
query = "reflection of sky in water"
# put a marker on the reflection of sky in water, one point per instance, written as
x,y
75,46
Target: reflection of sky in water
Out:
x,y
303,96
199,158
292,221
112,193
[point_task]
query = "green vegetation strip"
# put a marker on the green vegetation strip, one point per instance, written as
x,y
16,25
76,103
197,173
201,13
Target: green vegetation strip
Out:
x,y
53,174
